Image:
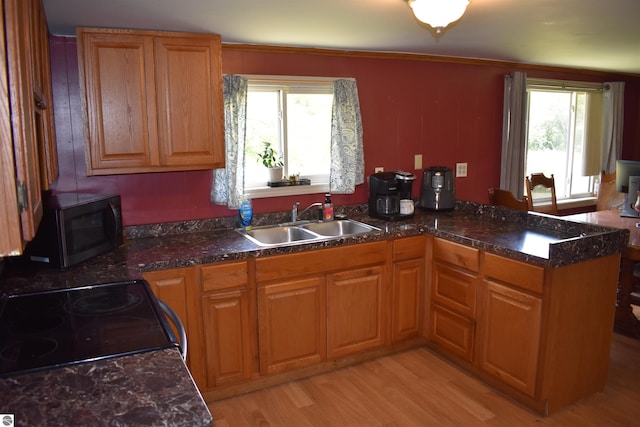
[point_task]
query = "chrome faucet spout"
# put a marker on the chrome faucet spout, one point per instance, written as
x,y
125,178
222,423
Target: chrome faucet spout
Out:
x,y
312,205
294,210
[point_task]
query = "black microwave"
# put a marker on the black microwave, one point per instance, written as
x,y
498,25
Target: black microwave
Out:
x,y
76,227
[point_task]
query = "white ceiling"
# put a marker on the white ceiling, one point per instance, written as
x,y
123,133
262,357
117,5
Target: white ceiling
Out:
x,y
591,34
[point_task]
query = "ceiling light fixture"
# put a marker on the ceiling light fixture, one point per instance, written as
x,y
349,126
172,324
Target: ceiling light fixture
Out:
x,y
438,13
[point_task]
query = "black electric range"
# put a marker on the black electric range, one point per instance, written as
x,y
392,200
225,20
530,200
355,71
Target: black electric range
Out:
x,y
43,330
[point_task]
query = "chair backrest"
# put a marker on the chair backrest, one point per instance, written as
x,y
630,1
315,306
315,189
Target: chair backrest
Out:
x,y
540,179
499,197
608,197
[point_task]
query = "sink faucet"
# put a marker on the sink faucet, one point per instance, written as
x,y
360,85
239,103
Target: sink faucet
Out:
x,y
294,210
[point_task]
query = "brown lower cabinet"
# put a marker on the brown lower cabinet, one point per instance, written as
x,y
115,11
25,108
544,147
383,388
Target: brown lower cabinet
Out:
x,y
520,327
540,334
355,310
178,289
292,318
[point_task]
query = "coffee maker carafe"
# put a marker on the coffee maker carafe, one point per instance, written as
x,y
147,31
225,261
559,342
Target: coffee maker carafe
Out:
x,y
385,191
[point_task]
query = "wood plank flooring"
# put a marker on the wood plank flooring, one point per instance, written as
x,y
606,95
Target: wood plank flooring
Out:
x,y
418,388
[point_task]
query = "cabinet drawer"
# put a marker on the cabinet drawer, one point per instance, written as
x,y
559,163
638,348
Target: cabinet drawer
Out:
x,y
523,275
454,288
452,332
409,248
321,261
455,253
228,275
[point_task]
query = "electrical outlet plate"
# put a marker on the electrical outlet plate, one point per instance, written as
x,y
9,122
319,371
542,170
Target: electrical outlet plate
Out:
x,y
378,169
417,161
461,170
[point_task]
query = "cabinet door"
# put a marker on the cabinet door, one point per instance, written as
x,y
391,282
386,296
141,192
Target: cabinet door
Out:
x,y
509,335
227,335
11,237
24,158
292,318
44,128
406,311
189,101
176,288
355,314
117,78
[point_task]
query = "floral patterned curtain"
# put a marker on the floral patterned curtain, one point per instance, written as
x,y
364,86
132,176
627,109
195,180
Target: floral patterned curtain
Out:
x,y
228,183
347,153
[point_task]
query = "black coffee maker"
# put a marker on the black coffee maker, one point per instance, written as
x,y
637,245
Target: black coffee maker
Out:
x,y
386,189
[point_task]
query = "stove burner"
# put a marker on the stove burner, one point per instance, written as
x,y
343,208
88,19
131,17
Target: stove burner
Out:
x,y
29,349
103,303
36,324
117,331
38,304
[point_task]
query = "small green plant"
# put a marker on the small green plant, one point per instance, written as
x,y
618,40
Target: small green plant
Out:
x,y
269,157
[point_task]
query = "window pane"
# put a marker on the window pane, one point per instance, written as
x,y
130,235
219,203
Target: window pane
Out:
x,y
548,134
263,124
308,133
580,184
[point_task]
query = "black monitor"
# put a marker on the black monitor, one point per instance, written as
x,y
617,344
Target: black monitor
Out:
x,y
624,170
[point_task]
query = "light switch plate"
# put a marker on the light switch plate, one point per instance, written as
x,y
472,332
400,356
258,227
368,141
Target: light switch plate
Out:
x,y
461,170
378,169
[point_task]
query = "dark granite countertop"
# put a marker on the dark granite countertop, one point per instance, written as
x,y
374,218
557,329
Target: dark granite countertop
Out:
x,y
134,390
533,238
147,389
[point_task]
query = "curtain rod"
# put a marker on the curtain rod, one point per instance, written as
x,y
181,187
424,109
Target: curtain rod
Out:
x,y
565,85
294,78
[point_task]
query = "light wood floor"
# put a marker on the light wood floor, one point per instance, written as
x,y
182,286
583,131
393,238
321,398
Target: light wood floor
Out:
x,y
418,388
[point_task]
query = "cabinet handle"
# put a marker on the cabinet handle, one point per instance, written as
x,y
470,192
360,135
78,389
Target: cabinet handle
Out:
x,y
39,102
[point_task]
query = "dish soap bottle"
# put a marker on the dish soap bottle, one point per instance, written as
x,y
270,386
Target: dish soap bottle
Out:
x,y
245,212
327,208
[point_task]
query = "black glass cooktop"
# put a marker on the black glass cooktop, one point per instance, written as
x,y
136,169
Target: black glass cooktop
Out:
x,y
56,328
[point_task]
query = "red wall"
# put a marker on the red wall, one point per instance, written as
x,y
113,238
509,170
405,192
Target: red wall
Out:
x,y
447,111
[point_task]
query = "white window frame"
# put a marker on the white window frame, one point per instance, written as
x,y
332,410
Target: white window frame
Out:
x,y
536,84
319,183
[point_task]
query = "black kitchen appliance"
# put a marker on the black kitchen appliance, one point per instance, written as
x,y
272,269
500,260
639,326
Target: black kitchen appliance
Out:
x,y
49,329
438,189
386,189
404,180
76,227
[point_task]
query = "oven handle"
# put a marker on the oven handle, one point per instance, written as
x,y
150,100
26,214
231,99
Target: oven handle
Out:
x,y
178,324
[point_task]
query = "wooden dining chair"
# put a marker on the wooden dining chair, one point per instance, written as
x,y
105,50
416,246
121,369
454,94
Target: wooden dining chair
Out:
x,y
549,185
608,197
505,198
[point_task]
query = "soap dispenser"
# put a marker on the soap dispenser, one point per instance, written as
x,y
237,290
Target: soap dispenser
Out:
x,y
327,208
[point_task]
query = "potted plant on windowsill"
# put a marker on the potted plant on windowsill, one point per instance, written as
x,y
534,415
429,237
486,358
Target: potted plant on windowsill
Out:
x,y
271,160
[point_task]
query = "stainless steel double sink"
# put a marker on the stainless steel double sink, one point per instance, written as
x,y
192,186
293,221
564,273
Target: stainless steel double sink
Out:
x,y
305,232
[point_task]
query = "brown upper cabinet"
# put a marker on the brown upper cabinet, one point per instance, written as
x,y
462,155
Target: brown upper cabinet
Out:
x,y
153,100
28,157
